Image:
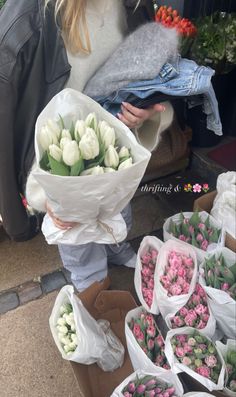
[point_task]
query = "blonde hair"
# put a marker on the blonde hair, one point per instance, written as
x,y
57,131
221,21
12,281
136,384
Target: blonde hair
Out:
x,y
74,26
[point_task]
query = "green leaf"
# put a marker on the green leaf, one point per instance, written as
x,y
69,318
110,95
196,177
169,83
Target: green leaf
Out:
x,y
207,222
72,130
195,219
233,270
214,237
77,168
58,168
44,162
185,230
194,242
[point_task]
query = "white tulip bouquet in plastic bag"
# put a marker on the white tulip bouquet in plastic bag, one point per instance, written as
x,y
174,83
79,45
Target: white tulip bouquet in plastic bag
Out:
x,y
95,196
79,337
228,352
144,276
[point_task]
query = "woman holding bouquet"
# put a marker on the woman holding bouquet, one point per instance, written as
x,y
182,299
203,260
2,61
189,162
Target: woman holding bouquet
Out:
x,y
47,46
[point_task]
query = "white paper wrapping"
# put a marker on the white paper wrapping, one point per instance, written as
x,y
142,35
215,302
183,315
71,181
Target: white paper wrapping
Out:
x,y
204,215
222,305
92,199
177,367
168,305
153,243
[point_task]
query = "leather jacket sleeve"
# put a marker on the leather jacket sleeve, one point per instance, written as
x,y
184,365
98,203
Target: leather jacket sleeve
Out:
x,y
15,219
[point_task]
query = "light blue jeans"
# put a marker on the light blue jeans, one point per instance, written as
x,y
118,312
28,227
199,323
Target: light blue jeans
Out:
x,y
183,78
89,262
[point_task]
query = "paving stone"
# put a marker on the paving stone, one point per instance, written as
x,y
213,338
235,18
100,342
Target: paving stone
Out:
x,y
8,301
148,215
52,281
29,291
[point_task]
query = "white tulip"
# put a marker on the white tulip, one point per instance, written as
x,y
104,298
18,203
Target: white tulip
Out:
x,y
108,169
89,145
64,141
61,321
125,164
80,129
63,329
93,171
60,336
54,127
71,153
91,121
111,158
67,349
124,152
47,137
66,340
74,338
107,135
66,134
55,152
73,327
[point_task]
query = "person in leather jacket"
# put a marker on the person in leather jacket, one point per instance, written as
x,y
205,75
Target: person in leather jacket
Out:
x,y
34,66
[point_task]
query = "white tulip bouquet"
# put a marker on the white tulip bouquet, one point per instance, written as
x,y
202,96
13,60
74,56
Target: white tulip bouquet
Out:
x,y
89,168
89,147
66,328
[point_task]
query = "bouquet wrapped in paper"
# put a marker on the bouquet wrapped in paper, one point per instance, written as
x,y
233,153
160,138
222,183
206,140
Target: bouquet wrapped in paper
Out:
x,y
218,278
89,165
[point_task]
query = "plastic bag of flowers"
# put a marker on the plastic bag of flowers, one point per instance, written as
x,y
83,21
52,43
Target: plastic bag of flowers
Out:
x,y
89,164
145,343
199,229
149,384
145,270
176,276
195,313
228,352
191,352
218,278
75,331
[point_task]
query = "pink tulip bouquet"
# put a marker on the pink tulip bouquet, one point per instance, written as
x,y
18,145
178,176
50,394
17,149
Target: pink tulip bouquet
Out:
x,y
195,313
198,353
148,262
178,273
148,386
194,230
149,338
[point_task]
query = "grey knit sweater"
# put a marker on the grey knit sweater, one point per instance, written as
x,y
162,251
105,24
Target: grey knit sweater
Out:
x,y
139,57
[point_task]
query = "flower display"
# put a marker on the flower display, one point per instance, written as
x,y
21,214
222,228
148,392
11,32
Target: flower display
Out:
x,y
148,386
195,231
198,353
230,361
218,275
66,329
149,338
89,147
148,262
178,274
195,313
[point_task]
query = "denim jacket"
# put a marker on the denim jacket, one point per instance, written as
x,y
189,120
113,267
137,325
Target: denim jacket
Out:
x,y
183,78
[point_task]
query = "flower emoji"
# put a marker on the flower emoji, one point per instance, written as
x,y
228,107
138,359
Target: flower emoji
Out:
x,y
188,187
197,188
205,187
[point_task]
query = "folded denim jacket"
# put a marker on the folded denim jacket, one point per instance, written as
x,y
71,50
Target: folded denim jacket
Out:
x,y
181,78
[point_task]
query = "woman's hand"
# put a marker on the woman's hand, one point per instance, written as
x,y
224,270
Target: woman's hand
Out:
x,y
58,222
133,117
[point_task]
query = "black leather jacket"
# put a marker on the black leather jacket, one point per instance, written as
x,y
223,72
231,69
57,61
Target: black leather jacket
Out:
x,y
33,68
